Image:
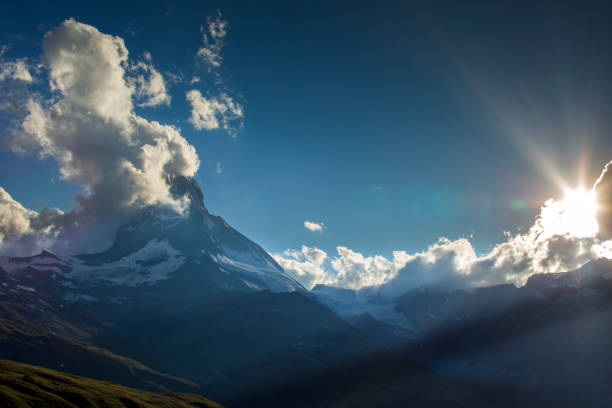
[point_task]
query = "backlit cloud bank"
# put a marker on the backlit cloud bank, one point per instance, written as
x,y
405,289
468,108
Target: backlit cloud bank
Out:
x,y
563,237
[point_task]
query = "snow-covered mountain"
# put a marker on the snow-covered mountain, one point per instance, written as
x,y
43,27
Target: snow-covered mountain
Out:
x,y
158,246
185,294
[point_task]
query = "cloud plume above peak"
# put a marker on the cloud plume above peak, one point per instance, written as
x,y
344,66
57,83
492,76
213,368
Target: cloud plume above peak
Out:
x,y
88,126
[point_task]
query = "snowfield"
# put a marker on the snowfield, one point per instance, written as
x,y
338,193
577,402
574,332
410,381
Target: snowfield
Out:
x,y
154,262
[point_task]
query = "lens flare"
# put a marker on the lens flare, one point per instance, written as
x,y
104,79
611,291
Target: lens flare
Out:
x,y
573,216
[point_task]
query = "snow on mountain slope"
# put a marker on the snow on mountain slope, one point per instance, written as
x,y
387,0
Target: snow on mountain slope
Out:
x,y
43,261
350,303
156,261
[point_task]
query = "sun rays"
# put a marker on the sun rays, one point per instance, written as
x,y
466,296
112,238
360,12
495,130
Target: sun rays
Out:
x,y
573,216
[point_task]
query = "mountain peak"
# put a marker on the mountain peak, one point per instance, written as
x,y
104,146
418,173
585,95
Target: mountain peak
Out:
x,y
157,244
181,186
590,272
46,254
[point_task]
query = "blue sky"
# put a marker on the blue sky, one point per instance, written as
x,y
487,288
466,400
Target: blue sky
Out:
x,y
393,125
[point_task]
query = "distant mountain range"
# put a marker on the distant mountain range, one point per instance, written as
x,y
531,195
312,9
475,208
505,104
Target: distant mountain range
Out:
x,y
186,303
554,333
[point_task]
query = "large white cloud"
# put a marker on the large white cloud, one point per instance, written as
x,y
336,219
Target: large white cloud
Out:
x,y
306,265
350,269
88,126
353,270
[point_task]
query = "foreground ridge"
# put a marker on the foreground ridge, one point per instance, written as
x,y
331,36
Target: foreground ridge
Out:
x,y
23,385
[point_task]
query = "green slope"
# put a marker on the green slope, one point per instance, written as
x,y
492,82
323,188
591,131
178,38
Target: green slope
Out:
x,y
23,385
40,330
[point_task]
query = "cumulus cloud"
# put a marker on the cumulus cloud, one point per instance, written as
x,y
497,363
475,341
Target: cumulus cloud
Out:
x,y
23,230
14,218
314,226
603,192
349,269
213,33
88,126
306,265
554,243
215,112
353,270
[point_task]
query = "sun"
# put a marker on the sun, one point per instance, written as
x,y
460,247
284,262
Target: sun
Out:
x,y
573,216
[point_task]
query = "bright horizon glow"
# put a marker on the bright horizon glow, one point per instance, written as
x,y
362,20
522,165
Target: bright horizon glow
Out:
x,y
573,216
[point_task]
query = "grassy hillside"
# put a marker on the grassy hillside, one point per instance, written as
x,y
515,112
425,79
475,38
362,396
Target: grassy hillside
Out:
x,y
36,328
23,385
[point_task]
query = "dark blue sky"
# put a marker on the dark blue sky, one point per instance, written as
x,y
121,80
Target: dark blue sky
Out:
x,y
393,124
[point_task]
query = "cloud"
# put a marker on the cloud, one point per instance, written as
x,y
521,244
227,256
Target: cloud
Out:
x,y
349,269
149,85
175,77
353,270
14,218
214,112
314,226
219,111
22,229
88,126
16,70
603,193
552,244
88,69
213,33
218,168
306,265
